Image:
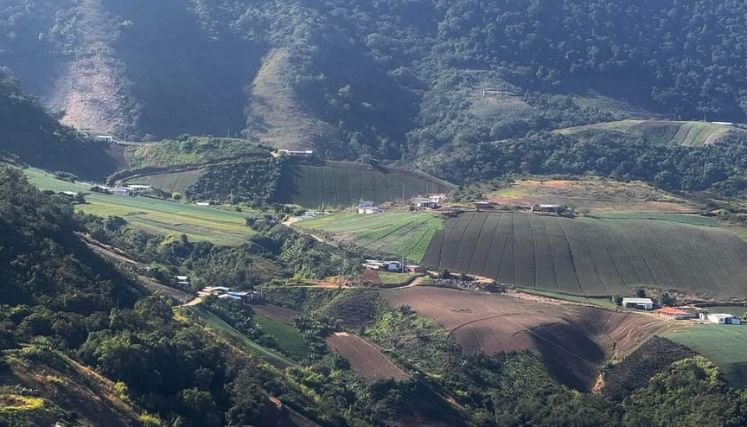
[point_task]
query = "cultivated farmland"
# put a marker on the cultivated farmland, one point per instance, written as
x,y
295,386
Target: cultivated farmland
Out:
x,y
592,257
691,134
156,216
723,345
399,233
344,184
574,341
364,357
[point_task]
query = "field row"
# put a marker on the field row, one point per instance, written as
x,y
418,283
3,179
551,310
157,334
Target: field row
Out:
x,y
591,257
341,184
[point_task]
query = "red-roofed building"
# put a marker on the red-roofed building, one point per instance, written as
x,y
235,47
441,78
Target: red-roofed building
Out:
x,y
675,313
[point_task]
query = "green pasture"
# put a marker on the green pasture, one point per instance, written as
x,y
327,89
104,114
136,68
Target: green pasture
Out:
x,y
725,345
289,339
689,219
167,217
398,233
216,324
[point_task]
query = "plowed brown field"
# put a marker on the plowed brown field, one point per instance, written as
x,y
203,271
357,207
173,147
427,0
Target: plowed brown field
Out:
x,y
364,357
573,340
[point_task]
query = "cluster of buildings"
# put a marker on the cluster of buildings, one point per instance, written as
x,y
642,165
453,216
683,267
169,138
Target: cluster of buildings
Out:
x,y
222,292
391,266
431,201
127,190
681,313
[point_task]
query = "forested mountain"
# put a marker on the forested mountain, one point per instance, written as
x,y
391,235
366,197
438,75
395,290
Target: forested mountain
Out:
x,y
388,79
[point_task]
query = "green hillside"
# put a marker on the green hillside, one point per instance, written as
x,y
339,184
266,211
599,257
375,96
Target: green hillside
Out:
x,y
344,184
688,134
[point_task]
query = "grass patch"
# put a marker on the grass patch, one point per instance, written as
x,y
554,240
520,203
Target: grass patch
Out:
x,y
289,339
723,345
397,233
605,302
396,279
212,322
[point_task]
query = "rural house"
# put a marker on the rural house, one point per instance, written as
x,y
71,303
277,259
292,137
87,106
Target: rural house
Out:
x,y
246,297
549,209
638,303
484,205
295,153
724,319
676,313
368,208
424,203
373,264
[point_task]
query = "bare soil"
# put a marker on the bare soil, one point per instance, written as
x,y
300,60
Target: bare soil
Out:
x,y
574,341
596,195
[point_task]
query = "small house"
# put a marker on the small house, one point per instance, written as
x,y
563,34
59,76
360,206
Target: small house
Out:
x,y
724,319
548,209
295,153
424,203
182,278
105,138
638,303
203,203
437,198
675,313
484,205
368,208
414,269
246,297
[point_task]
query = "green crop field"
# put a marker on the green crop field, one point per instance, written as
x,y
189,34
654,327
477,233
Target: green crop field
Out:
x,y
236,338
592,257
289,339
725,345
397,233
691,134
344,184
167,217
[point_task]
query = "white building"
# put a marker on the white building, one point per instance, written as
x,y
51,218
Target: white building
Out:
x,y
424,203
368,208
295,153
724,319
639,303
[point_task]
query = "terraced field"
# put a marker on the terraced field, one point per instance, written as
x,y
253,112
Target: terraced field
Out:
x,y
344,184
399,233
690,134
573,341
592,257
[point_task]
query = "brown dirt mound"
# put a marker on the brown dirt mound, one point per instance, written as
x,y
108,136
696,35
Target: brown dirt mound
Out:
x,y
574,341
365,358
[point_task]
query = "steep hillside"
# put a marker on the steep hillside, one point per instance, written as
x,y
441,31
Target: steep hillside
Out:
x,y
28,133
381,79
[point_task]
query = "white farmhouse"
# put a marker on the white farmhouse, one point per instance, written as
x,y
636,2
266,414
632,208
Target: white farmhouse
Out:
x,y
639,303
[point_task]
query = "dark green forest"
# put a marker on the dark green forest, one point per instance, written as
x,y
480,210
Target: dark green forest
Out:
x,y
394,79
